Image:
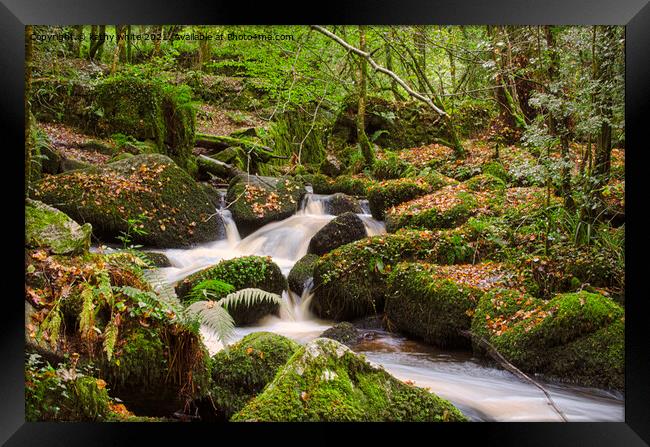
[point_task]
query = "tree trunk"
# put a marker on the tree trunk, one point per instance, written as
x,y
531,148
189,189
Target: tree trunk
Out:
x,y
76,43
362,138
559,124
605,75
97,45
420,44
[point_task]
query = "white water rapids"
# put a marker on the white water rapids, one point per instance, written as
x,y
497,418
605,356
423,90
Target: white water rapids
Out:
x,y
482,392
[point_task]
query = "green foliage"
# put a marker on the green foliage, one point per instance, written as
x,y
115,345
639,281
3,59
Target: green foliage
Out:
x,y
391,167
135,226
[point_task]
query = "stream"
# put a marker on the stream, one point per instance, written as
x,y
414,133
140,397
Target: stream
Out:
x,y
480,391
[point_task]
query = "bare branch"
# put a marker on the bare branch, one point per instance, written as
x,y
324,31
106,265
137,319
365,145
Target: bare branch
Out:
x,y
379,68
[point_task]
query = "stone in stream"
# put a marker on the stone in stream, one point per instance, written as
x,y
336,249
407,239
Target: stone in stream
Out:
x,y
243,273
241,371
341,203
326,381
443,297
301,272
165,205
343,332
346,228
255,201
47,227
574,337
159,260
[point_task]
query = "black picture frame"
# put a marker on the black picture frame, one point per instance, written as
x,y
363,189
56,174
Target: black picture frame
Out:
x,y
634,14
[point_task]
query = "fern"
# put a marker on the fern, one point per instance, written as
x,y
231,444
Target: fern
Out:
x,y
87,316
212,315
110,338
249,297
104,290
54,327
165,291
209,288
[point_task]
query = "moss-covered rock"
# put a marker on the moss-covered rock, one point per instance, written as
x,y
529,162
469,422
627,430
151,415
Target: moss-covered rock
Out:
x,y
485,182
386,194
341,203
351,185
166,205
301,272
346,228
496,169
331,166
446,208
349,282
577,337
47,227
404,124
256,201
326,381
241,371
343,332
148,109
442,297
242,273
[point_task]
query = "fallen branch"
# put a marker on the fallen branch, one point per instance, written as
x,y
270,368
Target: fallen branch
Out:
x,y
222,142
496,355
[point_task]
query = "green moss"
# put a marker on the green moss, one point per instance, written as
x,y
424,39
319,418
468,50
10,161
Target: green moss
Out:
x,y
148,109
349,282
575,337
433,217
443,306
485,182
496,169
301,272
47,227
325,381
384,195
173,208
241,371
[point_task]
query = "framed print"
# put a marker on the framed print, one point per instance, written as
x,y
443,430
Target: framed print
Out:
x,y
394,215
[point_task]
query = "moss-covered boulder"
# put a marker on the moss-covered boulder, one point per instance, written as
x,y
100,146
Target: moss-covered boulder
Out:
x,y
146,196
341,203
386,194
326,381
256,201
404,124
343,332
575,337
301,272
349,282
446,208
47,227
346,228
485,182
243,273
434,302
356,185
241,371
148,109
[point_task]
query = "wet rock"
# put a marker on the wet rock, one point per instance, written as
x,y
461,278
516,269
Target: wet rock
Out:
x,y
256,201
343,332
159,260
47,227
341,203
325,381
301,272
346,228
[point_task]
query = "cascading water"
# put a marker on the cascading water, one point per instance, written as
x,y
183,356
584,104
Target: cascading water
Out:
x,y
481,392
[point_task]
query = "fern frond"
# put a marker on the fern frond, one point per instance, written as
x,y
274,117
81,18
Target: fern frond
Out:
x,y
248,297
142,258
87,316
110,338
164,290
213,316
104,289
210,288
54,327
